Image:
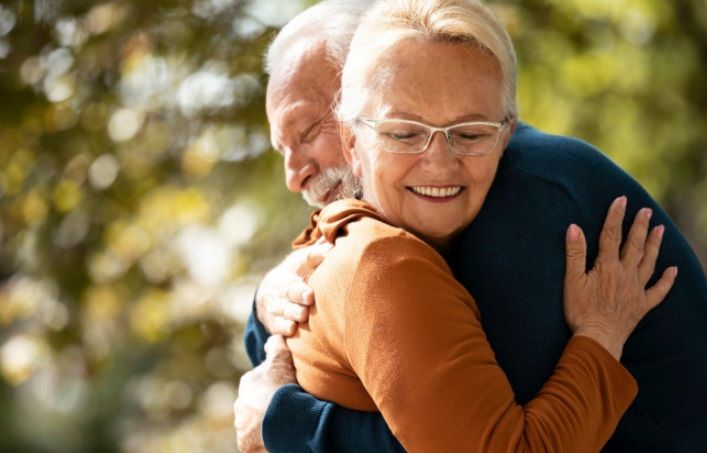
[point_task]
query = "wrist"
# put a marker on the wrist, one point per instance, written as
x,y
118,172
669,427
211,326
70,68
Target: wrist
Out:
x,y
610,341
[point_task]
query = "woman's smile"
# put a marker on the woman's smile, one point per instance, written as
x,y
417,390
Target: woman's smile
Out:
x,y
436,194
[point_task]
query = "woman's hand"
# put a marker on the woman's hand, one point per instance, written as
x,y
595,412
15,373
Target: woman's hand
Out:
x,y
607,302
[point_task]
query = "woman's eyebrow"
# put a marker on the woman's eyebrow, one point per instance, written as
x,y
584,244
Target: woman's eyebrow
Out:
x,y
412,116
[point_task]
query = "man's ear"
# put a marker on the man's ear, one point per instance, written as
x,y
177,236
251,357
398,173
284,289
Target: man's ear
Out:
x,y
348,142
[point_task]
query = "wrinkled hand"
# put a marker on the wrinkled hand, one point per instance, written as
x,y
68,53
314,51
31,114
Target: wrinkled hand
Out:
x,y
607,303
255,391
283,298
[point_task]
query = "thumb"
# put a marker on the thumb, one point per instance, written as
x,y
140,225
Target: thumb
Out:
x,y
276,348
313,258
575,252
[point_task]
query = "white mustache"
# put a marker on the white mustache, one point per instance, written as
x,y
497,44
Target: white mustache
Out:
x,y
321,184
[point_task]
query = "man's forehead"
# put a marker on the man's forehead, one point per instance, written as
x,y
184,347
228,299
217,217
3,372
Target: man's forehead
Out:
x,y
297,63
306,91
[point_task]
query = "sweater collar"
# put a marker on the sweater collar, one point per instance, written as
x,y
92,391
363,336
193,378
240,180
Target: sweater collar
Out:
x,y
330,222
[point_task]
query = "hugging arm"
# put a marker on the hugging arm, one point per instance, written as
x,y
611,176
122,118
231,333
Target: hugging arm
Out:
x,y
295,420
282,300
298,422
444,391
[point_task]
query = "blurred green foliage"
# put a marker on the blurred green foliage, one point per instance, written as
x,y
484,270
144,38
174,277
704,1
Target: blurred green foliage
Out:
x,y
139,204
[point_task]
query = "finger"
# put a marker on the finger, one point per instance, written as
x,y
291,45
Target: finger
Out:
x,y
275,345
279,356
296,313
300,293
284,327
647,265
635,245
610,237
314,257
575,252
656,293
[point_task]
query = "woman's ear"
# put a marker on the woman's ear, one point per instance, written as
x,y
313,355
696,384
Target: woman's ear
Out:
x,y
348,142
506,138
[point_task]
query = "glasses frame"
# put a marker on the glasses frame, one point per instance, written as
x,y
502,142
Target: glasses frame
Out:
x,y
373,124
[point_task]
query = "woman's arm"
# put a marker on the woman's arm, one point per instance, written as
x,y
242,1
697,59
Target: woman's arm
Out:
x,y
417,344
415,340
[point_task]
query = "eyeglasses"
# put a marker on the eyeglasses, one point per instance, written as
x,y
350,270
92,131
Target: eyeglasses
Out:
x,y
473,138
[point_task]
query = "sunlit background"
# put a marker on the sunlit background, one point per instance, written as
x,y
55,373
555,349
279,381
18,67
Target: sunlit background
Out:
x,y
140,202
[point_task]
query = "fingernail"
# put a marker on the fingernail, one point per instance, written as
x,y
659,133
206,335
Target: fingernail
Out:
x,y
573,233
647,213
622,201
674,271
661,230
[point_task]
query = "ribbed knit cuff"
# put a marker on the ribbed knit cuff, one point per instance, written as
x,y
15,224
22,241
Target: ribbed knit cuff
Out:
x,y
291,420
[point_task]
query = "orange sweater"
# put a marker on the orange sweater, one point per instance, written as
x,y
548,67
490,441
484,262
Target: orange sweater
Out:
x,y
393,331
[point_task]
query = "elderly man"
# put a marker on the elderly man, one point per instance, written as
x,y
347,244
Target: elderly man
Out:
x,y
547,183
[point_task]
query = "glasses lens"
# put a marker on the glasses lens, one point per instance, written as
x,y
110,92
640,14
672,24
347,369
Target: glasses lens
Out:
x,y
402,137
472,139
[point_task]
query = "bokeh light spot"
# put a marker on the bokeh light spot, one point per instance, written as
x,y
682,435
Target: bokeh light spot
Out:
x,y
103,171
124,124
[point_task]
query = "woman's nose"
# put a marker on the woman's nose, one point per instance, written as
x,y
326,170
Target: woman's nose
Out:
x,y
439,144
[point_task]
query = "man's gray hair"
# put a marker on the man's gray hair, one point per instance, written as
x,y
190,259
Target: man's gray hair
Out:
x,y
332,22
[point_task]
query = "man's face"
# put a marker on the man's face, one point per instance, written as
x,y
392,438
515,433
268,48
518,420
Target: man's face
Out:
x,y
303,128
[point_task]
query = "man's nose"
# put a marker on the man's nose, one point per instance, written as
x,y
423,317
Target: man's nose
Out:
x,y
299,168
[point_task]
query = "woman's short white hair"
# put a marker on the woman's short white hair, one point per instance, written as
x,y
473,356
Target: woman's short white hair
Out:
x,y
332,22
388,22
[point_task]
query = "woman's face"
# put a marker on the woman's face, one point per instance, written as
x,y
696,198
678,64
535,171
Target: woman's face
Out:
x,y
435,193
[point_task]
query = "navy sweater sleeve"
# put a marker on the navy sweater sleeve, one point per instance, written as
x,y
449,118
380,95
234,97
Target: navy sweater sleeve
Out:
x,y
298,422
255,336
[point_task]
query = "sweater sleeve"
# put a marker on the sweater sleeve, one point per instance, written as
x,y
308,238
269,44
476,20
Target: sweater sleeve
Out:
x,y
414,338
254,337
298,422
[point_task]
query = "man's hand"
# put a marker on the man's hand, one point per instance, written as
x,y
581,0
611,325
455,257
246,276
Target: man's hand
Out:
x,y
255,391
283,298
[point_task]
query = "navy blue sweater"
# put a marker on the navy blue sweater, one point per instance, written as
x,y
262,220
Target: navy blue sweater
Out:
x,y
511,259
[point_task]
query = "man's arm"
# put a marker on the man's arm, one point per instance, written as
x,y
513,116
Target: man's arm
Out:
x,y
295,421
291,419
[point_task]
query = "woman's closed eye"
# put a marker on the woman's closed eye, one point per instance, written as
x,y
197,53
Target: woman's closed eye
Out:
x,y
404,136
467,137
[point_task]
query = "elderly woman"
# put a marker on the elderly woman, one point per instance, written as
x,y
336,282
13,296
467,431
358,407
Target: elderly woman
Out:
x,y
428,102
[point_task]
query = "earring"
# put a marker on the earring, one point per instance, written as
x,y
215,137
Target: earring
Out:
x,y
358,194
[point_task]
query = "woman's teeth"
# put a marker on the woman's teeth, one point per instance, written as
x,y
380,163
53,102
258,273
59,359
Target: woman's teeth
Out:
x,y
437,192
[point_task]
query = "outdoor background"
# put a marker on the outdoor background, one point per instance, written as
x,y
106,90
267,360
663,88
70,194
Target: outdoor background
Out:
x,y
140,202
